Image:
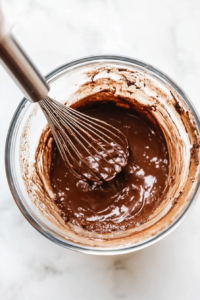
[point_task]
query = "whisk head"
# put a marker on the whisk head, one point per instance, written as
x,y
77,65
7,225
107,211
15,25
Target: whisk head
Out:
x,y
92,149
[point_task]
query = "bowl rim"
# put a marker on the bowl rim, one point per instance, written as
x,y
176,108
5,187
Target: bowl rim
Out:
x,y
39,227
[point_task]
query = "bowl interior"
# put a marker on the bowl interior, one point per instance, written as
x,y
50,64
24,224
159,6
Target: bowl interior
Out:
x,y
22,141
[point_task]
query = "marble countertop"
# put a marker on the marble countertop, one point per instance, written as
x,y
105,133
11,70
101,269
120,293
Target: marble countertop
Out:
x,y
165,34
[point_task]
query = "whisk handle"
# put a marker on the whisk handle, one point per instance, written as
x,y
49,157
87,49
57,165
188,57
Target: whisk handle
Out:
x,y
22,69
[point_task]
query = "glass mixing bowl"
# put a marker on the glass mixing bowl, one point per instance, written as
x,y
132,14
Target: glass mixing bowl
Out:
x,y
64,82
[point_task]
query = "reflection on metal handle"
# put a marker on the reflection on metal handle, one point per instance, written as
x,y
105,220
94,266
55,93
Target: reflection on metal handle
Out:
x,y
22,69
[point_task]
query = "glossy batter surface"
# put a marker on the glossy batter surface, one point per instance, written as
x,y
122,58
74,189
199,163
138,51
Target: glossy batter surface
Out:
x,y
133,195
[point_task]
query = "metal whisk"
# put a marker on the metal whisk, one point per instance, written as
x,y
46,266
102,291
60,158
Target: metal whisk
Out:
x,y
92,149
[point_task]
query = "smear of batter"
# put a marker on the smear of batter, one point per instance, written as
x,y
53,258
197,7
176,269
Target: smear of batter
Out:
x,y
133,195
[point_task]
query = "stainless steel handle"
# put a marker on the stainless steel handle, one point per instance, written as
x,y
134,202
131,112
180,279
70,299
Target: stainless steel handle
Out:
x,y
22,69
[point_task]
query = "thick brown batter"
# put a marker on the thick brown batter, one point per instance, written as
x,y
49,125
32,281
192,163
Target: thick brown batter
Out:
x,y
133,195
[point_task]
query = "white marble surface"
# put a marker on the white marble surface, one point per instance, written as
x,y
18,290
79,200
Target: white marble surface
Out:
x,y
163,33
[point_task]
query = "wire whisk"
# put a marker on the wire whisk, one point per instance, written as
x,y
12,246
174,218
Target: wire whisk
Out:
x,y
92,149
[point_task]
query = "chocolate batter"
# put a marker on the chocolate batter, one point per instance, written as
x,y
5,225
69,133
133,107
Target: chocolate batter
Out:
x,y
133,195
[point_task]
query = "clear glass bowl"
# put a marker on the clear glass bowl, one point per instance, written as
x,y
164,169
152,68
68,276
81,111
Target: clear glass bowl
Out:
x,y
64,82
